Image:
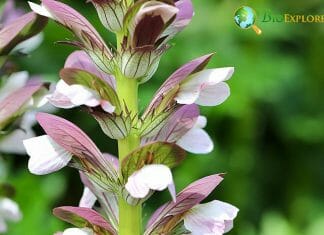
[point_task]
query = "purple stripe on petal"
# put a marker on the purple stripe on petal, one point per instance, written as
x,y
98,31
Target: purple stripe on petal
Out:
x,y
186,199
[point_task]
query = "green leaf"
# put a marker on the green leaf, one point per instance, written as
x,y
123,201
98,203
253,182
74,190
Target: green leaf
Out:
x,y
154,153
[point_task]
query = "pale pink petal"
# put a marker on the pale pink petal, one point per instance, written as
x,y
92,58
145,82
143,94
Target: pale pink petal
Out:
x,y
88,199
214,95
46,156
210,218
196,141
150,177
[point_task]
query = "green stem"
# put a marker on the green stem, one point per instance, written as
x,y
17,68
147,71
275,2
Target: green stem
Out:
x,y
130,217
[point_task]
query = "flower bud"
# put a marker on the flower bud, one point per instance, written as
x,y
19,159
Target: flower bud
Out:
x,y
145,22
111,13
140,65
148,24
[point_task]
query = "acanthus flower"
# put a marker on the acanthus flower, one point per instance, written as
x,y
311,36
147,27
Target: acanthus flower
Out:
x,y
190,84
215,217
78,72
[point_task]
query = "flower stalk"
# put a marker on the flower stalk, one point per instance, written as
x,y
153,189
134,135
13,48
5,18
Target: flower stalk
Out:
x,y
130,217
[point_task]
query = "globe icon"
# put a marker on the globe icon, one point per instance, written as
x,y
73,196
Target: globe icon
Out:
x,y
245,18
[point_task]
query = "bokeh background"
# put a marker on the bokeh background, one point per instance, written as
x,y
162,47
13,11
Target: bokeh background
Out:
x,y
269,135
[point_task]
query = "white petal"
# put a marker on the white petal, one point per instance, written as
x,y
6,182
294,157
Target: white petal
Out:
x,y
39,9
46,155
88,199
191,88
150,177
13,142
201,122
136,186
3,225
81,95
14,82
78,231
108,107
214,94
66,96
189,92
214,76
30,44
210,218
9,210
196,141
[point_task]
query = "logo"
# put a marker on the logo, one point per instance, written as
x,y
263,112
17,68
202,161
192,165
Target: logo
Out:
x,y
291,18
245,18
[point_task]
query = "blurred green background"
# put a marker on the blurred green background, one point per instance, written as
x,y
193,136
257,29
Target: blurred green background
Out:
x,y
269,135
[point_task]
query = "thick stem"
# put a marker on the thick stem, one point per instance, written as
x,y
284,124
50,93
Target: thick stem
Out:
x,y
130,217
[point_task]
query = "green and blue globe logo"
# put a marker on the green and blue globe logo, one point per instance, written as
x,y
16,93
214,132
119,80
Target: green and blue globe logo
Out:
x,y
245,18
